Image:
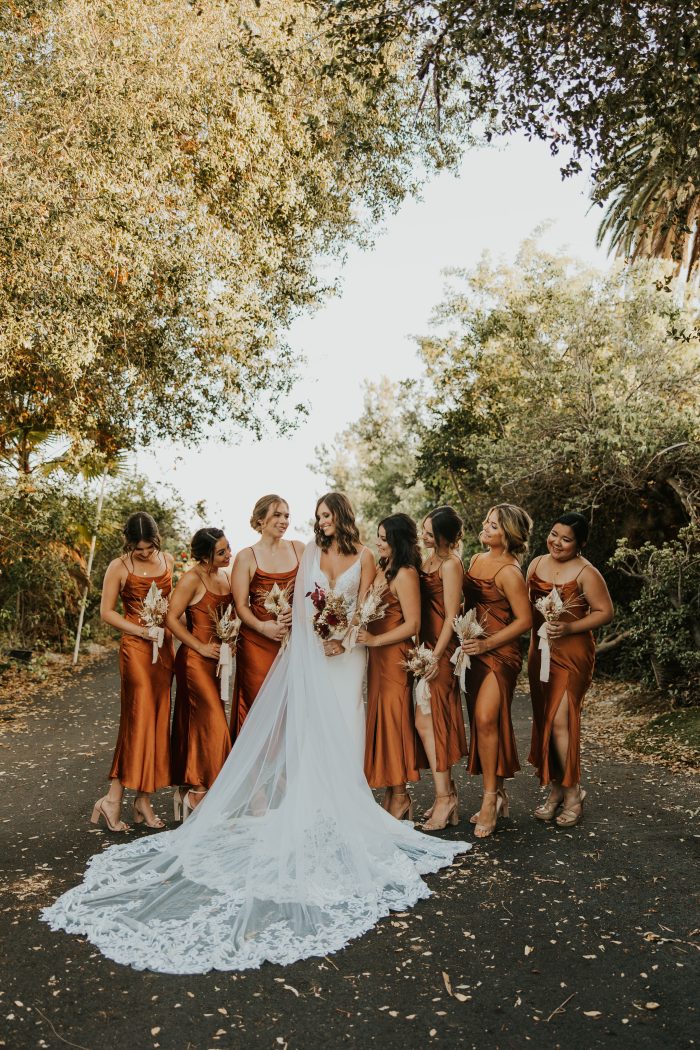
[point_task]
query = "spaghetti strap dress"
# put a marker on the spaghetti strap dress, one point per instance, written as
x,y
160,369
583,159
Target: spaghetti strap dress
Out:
x,y
445,695
493,611
142,753
393,751
571,670
200,741
255,653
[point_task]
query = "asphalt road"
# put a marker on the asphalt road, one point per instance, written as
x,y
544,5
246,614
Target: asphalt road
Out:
x,y
541,936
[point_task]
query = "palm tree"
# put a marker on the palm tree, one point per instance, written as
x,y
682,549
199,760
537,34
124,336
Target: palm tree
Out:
x,y
653,213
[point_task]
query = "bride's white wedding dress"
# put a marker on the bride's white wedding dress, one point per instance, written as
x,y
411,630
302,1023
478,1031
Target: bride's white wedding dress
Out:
x,y
288,855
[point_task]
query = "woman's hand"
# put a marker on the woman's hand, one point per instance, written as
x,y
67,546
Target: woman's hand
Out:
x,y
285,620
475,646
272,629
365,638
333,647
210,650
432,673
559,629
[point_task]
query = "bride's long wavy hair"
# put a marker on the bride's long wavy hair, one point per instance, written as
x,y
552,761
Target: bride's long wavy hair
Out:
x,y
402,536
347,535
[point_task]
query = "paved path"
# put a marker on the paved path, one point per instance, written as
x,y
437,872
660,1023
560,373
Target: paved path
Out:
x,y
539,935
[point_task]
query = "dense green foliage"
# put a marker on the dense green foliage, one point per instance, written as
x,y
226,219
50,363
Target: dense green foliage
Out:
x,y
557,388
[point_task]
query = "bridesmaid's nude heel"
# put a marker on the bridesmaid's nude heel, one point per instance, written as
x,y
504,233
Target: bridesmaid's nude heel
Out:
x,y
547,810
187,806
98,811
140,817
177,805
502,809
569,818
452,817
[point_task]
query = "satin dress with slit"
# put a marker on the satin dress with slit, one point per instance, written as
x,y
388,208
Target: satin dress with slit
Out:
x,y
445,696
393,751
142,753
493,611
200,741
256,654
571,669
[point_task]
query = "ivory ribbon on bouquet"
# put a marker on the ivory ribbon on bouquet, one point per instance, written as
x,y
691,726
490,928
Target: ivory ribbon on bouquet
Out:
x,y
223,669
545,652
421,695
158,636
462,663
350,639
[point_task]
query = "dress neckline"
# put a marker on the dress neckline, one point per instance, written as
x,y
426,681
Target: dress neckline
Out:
x,y
333,584
550,583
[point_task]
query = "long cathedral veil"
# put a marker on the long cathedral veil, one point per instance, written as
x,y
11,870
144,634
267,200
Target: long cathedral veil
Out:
x,y
287,856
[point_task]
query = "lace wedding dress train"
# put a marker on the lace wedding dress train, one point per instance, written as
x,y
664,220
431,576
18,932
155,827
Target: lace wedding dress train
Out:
x,y
288,855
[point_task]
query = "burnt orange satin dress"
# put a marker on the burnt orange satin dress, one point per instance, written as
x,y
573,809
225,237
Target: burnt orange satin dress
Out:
x,y
200,741
256,653
445,696
494,613
571,669
393,751
142,755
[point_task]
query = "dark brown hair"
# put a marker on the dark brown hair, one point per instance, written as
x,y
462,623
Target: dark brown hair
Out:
x,y
578,525
203,543
347,535
447,526
402,537
139,527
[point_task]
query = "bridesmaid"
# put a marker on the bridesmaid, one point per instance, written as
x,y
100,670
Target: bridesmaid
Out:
x,y
442,731
272,560
393,753
555,751
142,755
200,740
494,586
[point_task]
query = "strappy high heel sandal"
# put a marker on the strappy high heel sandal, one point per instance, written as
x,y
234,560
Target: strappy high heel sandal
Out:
x,y
504,810
140,817
187,806
177,804
452,816
453,791
547,810
569,818
407,811
502,807
99,811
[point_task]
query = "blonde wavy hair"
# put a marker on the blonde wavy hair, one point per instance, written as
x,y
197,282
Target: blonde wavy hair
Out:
x,y
262,508
517,526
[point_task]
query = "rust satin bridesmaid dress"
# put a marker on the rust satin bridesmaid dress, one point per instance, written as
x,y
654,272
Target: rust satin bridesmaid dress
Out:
x,y
393,751
495,613
142,755
445,696
256,653
200,741
571,670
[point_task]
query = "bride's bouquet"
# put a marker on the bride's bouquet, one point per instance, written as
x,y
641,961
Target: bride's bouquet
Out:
x,y
419,661
226,627
330,619
466,626
152,613
276,602
552,606
371,608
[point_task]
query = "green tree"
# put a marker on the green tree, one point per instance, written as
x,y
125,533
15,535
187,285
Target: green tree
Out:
x,y
169,174
592,80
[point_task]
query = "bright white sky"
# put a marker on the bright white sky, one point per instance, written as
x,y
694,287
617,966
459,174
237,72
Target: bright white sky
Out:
x,y
388,293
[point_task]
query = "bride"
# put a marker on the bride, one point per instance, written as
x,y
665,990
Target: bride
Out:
x,y
289,855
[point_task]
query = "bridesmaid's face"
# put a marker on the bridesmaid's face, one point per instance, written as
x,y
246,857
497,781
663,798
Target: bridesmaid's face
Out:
x,y
143,551
222,554
492,535
383,547
326,521
277,521
561,543
427,536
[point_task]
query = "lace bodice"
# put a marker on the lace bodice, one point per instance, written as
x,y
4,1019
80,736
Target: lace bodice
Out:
x,y
347,584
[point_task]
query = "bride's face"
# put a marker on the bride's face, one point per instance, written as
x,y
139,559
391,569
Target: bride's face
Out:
x,y
326,521
383,548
